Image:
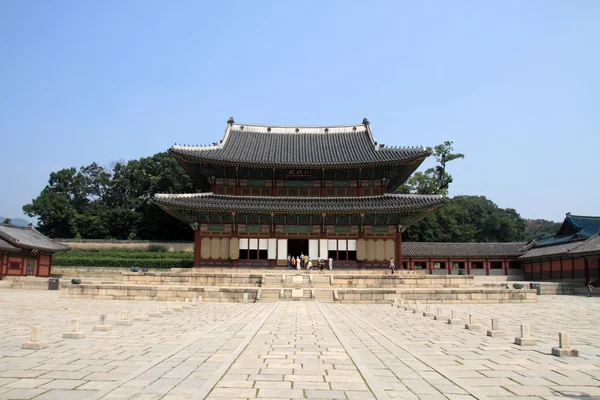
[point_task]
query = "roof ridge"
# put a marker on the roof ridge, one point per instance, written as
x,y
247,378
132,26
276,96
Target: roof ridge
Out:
x,y
297,126
584,216
398,195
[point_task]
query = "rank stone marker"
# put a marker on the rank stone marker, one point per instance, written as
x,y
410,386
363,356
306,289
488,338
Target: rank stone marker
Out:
x,y
124,320
35,343
178,306
525,339
395,302
156,312
168,310
454,320
428,312
199,299
438,316
472,325
416,310
103,326
186,304
564,347
401,302
495,331
75,333
246,297
142,316
194,302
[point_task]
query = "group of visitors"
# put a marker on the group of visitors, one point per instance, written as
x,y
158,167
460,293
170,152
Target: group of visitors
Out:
x,y
305,261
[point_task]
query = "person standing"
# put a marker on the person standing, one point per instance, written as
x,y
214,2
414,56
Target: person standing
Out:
x,y
298,265
590,287
392,265
309,263
293,262
289,261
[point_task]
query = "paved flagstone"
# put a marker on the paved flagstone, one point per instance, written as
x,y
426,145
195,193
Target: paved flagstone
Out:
x,y
295,350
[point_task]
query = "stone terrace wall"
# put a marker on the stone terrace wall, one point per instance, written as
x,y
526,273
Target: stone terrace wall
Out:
x,y
126,244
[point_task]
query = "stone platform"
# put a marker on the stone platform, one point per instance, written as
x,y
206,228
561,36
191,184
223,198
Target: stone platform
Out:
x,y
295,285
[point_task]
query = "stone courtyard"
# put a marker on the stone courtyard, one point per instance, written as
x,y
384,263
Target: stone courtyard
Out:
x,y
295,350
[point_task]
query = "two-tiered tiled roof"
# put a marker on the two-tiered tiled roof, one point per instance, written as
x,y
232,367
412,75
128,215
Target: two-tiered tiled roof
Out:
x,y
215,202
310,147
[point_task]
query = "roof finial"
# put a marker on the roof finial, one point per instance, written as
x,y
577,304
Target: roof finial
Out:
x,y
231,121
366,122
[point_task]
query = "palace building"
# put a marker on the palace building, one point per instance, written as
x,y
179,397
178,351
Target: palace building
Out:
x,y
328,192
325,191
25,251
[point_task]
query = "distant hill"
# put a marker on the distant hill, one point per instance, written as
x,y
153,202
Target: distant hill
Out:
x,y
16,221
538,228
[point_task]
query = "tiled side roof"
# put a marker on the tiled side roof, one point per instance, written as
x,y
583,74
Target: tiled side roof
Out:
x,y
215,202
591,245
586,225
28,238
306,146
553,240
5,246
426,249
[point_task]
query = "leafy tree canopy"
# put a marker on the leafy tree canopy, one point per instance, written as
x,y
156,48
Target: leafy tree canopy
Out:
x,y
538,228
95,202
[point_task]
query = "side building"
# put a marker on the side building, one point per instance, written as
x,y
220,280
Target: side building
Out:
x,y
573,253
25,251
273,191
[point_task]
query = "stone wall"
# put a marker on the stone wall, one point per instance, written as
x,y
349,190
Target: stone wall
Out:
x,y
126,244
438,296
164,293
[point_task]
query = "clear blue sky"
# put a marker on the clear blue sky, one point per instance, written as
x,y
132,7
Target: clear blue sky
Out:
x,y
515,84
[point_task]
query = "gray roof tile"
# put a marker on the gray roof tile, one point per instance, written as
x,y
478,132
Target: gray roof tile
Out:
x,y
25,237
591,245
432,249
309,146
214,202
7,246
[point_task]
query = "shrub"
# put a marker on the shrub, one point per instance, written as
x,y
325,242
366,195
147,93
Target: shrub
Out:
x,y
157,249
518,285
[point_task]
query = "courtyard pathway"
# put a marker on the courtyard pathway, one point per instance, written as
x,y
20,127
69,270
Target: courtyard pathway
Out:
x,y
295,350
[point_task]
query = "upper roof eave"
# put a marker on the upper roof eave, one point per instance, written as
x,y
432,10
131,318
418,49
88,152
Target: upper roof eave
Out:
x,y
311,147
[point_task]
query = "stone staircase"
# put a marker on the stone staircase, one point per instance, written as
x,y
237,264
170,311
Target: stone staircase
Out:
x,y
323,296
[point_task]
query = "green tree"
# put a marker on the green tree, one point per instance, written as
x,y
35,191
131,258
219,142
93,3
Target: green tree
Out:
x,y
538,228
434,180
7,221
98,203
468,219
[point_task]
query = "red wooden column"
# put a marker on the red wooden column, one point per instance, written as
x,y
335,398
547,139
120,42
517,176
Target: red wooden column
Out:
x,y
399,248
486,265
468,266
323,190
505,266
430,266
234,233
197,247
449,267
561,268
